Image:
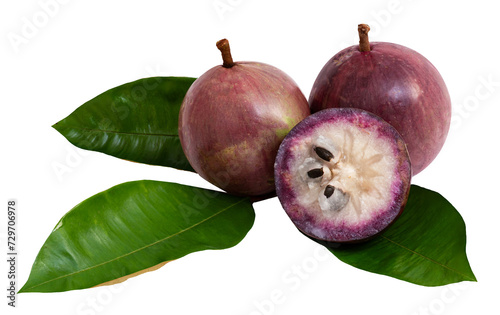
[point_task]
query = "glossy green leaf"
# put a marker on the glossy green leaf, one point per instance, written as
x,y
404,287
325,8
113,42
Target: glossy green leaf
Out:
x,y
132,227
136,121
425,246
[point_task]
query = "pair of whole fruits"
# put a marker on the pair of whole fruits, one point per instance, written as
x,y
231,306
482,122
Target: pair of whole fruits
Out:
x,y
341,173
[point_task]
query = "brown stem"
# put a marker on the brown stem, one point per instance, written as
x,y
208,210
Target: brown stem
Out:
x,y
223,46
364,44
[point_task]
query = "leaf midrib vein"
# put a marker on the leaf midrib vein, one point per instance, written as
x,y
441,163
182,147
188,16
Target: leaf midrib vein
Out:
x,y
139,249
125,132
428,258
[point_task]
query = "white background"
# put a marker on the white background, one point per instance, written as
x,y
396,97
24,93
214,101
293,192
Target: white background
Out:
x,y
74,50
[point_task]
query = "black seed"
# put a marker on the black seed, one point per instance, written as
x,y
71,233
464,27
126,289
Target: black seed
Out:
x,y
329,191
323,153
315,173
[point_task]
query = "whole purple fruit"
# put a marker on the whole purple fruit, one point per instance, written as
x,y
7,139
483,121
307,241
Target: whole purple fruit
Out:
x,y
343,175
233,119
395,83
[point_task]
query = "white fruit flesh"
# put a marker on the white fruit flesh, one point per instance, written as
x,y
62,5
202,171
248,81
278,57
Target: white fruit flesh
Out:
x,y
361,171
343,175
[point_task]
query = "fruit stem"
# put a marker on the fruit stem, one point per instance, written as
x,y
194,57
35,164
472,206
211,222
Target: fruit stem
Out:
x,y
364,44
223,46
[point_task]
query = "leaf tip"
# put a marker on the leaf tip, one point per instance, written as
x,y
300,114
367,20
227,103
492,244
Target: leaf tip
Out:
x,y
474,279
22,290
56,126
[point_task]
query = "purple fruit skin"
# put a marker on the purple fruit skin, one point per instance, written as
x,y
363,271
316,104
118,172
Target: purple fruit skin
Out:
x,y
395,83
232,121
305,222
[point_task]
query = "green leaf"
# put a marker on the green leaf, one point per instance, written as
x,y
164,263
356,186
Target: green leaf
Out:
x,y
425,246
133,227
136,121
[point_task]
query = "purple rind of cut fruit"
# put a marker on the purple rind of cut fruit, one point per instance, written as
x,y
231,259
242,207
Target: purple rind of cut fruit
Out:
x,y
312,222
